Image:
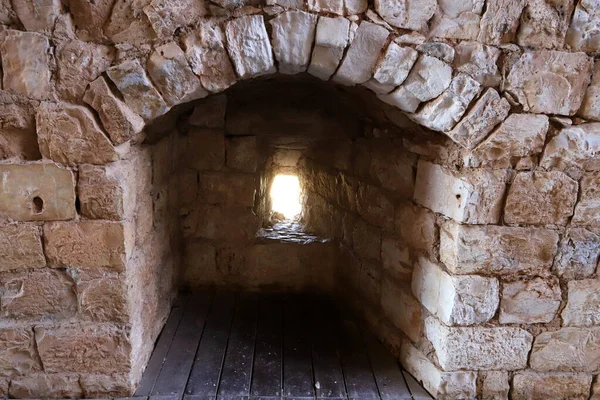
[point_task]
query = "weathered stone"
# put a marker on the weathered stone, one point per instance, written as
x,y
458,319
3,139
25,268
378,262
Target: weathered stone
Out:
x,y
488,348
42,385
171,73
118,120
583,34
544,25
486,113
587,210
574,147
21,247
540,198
212,143
590,108
102,295
495,385
578,254
18,139
25,64
550,82
138,91
86,244
210,112
249,47
79,63
395,257
428,78
242,153
36,15
442,385
567,349
98,348
500,21
199,259
530,385
375,206
339,7
529,302
442,113
366,240
416,227
332,37
498,250
440,50
90,17
166,16
595,390
100,386
583,308
406,14
403,310
456,300
69,134
461,197
362,55
478,61
217,222
226,188
128,23
18,355
293,37
457,20
293,4
37,192
394,66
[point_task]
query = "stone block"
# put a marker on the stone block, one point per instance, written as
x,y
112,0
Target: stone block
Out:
x,y
293,36
416,227
395,64
101,295
457,20
583,305
229,188
395,257
496,250
210,112
200,263
402,309
101,386
18,139
500,21
537,17
578,254
48,195
331,38
18,355
90,17
479,348
211,144
249,47
529,301
583,34
479,61
406,14
567,349
529,385
242,153
574,147
41,385
37,16
375,206
456,300
495,385
21,247
590,109
473,197
104,191
166,16
367,240
217,222
587,210
540,198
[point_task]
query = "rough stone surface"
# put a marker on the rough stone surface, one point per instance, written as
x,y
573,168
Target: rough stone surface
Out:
x,y
101,295
406,14
38,15
293,36
551,82
402,309
479,61
416,227
21,247
590,109
18,355
99,386
457,20
393,68
583,308
213,144
440,50
226,188
530,385
567,349
498,250
488,348
249,47
500,21
495,385
331,38
574,147
578,254
18,139
456,300
90,17
540,198
48,195
583,34
42,385
587,210
242,154
544,25
529,302
166,16
210,112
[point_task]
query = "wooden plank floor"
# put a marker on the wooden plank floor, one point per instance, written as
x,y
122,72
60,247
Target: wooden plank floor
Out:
x,y
238,346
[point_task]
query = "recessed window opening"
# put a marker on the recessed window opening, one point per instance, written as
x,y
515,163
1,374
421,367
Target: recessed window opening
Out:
x,y
285,196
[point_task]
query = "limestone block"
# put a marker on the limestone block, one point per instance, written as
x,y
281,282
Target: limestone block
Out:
x,y
489,110
103,191
497,250
529,301
128,23
587,210
457,20
86,244
462,197
428,78
242,153
100,349
544,25
37,192
590,109
442,113
500,21
18,139
138,91
442,385
229,188
171,73
100,386
41,385
583,34
21,247
218,222
362,55
101,295
583,308
249,47
294,4
293,36
39,294
574,147
79,63
166,16
69,134
25,64
540,198
200,263
531,385
488,348
550,82
456,300
395,257
121,124
440,50
495,385
520,135
595,390
578,254
18,355
212,145
332,37
394,66
206,52
369,283
210,112
367,240
406,14
567,349
90,17
416,227
479,61
36,15
375,206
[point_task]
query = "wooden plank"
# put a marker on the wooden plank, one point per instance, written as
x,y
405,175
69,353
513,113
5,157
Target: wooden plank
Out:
x,y
204,379
180,358
389,378
237,367
297,363
267,370
163,344
416,390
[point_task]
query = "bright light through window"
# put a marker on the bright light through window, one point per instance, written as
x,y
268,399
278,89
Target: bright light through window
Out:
x,y
285,195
